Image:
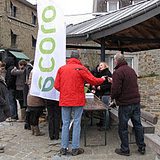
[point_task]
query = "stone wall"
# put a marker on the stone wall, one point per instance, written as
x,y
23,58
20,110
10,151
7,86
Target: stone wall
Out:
x,y
149,63
150,93
90,58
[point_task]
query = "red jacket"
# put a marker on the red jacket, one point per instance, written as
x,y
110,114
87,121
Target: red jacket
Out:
x,y
70,81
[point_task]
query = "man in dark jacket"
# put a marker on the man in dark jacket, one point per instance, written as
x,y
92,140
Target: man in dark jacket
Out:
x,y
126,93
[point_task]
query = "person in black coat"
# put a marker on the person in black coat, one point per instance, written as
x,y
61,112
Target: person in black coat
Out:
x,y
4,107
27,71
11,85
54,118
102,91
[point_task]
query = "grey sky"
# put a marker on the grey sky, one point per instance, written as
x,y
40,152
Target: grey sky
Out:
x,y
74,7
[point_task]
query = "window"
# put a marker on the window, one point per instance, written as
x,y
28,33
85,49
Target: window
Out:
x,y
13,39
132,61
13,10
34,18
135,1
112,5
33,42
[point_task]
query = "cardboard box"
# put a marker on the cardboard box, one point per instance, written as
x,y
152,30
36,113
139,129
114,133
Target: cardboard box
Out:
x,y
89,95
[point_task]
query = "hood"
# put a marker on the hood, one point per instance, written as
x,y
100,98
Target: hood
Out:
x,y
74,61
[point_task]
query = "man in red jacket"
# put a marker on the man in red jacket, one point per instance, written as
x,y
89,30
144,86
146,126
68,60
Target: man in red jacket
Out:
x,y
126,93
69,82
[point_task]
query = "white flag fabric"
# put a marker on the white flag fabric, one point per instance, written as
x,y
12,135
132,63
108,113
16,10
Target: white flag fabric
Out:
x,y
50,49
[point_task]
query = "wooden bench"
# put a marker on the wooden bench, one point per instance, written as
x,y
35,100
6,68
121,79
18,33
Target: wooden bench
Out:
x,y
153,141
148,121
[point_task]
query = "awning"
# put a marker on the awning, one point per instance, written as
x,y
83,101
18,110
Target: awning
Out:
x,y
19,55
2,50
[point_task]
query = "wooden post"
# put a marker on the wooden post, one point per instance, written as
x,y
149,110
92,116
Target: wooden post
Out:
x,y
103,50
122,52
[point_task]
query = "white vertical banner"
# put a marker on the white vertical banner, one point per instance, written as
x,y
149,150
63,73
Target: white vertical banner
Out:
x,y
50,49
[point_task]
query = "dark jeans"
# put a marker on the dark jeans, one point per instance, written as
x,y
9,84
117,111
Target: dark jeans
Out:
x,y
19,97
13,103
54,112
125,113
27,118
35,113
25,93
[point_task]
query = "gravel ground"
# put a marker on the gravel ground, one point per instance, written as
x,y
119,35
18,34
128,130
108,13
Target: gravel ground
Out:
x,y
21,145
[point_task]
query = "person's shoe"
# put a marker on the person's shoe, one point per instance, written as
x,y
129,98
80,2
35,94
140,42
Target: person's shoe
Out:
x,y
101,128
120,152
37,132
27,126
13,120
63,151
14,117
10,120
142,150
56,137
1,148
52,138
77,151
99,124
32,129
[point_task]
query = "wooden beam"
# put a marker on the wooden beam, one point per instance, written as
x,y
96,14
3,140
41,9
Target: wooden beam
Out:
x,y
103,49
132,39
82,46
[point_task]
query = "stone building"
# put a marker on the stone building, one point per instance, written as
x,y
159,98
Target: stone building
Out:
x,y
111,5
18,26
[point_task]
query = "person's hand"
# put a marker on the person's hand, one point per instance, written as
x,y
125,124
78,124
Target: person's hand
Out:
x,y
93,87
93,91
99,88
110,79
87,85
104,77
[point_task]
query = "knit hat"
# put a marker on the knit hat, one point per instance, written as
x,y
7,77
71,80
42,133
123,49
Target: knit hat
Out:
x,y
75,54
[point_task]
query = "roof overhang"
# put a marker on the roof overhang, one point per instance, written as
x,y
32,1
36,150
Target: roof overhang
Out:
x,y
19,55
136,32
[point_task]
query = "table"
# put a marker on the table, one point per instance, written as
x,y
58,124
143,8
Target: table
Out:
x,y
95,104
